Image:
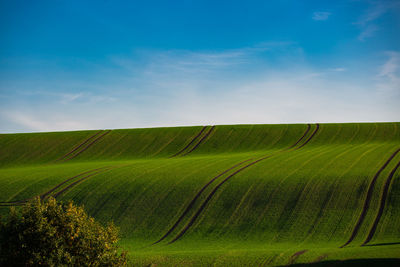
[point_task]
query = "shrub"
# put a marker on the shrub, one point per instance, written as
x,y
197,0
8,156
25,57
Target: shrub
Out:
x,y
47,233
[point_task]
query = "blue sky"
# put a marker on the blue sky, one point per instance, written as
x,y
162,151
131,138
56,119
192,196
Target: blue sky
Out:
x,y
69,65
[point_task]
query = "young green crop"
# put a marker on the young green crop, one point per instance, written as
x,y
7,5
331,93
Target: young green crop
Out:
x,y
299,203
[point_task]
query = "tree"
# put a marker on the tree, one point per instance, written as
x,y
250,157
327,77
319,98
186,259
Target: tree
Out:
x,y
47,233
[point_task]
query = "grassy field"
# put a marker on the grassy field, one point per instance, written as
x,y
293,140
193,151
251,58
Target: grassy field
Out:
x,y
242,195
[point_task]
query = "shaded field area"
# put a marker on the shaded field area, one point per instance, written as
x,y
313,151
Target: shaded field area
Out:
x,y
255,195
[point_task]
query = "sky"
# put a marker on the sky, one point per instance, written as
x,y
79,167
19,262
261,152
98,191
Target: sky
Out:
x,y
74,65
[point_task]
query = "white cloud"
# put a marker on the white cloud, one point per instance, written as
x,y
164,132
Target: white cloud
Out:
x,y
270,98
67,97
337,69
321,15
367,32
388,78
187,61
277,98
391,66
175,88
367,21
31,121
374,11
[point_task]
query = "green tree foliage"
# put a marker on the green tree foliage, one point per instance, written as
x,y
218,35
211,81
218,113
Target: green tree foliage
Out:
x,y
47,233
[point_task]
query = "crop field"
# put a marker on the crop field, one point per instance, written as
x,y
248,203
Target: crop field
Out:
x,y
241,195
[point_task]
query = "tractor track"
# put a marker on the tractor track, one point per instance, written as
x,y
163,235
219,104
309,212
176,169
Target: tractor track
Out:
x,y
192,202
382,204
79,146
201,140
91,172
193,219
47,193
320,258
330,193
367,201
295,256
191,142
302,137
311,137
65,189
211,194
88,145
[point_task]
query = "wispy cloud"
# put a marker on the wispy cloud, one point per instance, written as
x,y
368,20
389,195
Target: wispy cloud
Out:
x,y
374,11
367,21
337,69
367,32
64,97
391,66
185,60
389,76
268,83
32,122
321,15
67,97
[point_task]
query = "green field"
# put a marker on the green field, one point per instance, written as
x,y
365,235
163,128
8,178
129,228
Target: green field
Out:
x,y
242,195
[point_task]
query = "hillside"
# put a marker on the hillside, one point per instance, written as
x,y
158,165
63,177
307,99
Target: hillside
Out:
x,y
256,195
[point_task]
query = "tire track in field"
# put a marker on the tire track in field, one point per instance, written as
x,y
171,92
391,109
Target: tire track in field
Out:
x,y
320,258
79,146
47,193
302,137
194,200
368,198
311,137
191,142
334,185
65,189
382,204
95,171
88,145
348,198
295,256
307,191
204,204
201,140
165,194
198,194
320,151
331,187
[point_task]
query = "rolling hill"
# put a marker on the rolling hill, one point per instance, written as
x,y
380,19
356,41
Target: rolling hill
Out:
x,y
255,195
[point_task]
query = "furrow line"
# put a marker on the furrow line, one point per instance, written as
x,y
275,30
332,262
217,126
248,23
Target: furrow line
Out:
x,y
44,195
201,140
311,137
192,202
302,137
367,200
382,204
191,142
294,257
204,204
320,258
194,218
89,145
335,184
80,180
79,146
346,201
